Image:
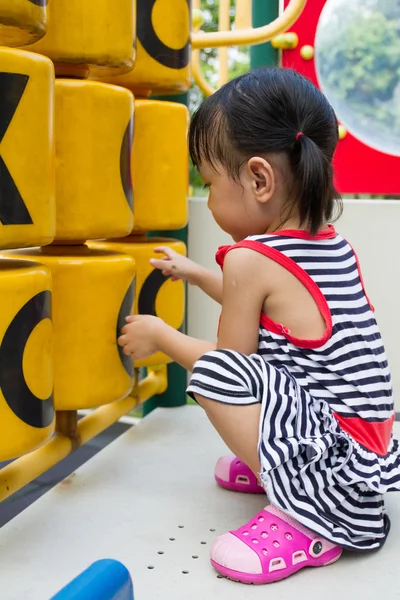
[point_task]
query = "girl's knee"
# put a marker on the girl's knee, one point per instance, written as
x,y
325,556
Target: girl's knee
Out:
x,y
220,359
220,354
226,375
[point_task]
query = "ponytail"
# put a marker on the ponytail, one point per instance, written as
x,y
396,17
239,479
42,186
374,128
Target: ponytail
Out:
x,y
270,112
313,179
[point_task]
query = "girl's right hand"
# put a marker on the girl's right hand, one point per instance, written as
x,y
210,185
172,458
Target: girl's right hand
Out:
x,y
175,265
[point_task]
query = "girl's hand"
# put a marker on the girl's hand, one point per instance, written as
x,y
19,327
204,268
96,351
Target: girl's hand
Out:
x,y
139,337
176,265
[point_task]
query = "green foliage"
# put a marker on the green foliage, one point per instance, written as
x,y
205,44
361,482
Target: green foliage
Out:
x,y
239,63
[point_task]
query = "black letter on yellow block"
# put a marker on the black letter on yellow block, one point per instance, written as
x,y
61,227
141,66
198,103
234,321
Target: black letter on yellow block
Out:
x,y
26,406
126,309
125,163
40,2
149,291
166,56
12,207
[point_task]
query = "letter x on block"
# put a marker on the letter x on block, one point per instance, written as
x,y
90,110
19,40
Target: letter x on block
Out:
x,y
12,207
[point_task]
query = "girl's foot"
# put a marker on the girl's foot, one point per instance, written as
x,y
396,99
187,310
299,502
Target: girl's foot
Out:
x,y
270,548
233,474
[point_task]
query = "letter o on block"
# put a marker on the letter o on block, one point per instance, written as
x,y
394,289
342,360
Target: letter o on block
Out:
x,y
22,21
94,133
92,292
155,293
27,210
26,358
163,49
91,36
160,165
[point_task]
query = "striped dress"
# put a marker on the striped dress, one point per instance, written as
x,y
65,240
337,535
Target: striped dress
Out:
x,y
326,447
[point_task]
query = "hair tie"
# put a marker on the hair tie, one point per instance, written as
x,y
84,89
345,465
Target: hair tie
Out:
x,y
298,136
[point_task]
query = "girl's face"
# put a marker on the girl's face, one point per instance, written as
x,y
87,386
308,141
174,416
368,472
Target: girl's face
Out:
x,y
245,207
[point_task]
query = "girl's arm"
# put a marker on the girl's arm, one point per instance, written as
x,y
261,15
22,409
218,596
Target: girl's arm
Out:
x,y
244,292
209,282
245,287
243,297
183,349
145,335
181,267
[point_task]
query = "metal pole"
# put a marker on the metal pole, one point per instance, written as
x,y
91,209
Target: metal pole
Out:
x,y
224,24
22,471
264,55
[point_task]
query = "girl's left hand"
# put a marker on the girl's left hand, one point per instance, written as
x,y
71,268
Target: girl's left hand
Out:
x,y
139,336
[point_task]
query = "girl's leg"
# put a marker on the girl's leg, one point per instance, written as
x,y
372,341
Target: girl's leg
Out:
x,y
238,426
233,389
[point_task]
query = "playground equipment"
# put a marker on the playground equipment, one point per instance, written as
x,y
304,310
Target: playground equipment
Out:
x,y
88,38
22,22
241,35
93,289
71,183
104,580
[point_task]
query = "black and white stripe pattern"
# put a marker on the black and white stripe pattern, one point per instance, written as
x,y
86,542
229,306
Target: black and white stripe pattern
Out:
x,y
311,468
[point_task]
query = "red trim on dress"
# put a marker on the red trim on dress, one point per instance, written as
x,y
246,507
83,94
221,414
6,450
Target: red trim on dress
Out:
x,y
373,436
291,266
220,255
361,277
323,234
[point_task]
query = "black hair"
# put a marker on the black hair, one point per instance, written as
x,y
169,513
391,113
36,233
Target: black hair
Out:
x,y
265,112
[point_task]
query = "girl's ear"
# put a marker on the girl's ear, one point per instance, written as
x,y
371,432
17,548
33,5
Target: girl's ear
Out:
x,y
262,178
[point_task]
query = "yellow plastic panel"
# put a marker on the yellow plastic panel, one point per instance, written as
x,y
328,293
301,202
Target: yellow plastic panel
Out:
x,y
22,21
160,165
94,132
92,292
26,149
89,36
163,49
26,365
155,293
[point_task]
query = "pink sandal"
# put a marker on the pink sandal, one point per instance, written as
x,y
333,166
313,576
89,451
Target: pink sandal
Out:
x,y
233,474
271,547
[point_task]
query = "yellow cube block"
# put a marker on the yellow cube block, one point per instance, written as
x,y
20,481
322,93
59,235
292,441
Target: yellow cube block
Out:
x,y
22,21
94,134
92,292
91,36
163,49
160,165
155,293
26,358
27,204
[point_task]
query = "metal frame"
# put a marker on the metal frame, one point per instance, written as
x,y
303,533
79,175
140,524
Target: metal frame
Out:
x,y
250,37
72,433
267,24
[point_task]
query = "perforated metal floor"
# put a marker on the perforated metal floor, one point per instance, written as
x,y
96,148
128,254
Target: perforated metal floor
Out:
x,y
149,500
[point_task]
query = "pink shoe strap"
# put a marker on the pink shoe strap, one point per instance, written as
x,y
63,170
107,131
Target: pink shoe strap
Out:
x,y
240,470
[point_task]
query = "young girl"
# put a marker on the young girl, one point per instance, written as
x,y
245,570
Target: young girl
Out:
x,y
298,385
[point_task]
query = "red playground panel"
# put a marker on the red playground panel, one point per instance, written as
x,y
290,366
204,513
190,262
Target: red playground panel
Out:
x,y
360,169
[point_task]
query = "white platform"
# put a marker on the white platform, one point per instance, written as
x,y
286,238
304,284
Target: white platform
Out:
x,y
128,501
